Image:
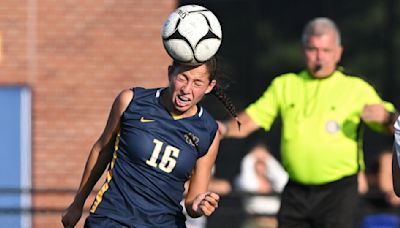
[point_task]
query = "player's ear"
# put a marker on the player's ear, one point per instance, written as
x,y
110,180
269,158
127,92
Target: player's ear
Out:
x,y
210,86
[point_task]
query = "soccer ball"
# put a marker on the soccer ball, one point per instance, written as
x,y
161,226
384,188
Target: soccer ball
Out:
x,y
191,34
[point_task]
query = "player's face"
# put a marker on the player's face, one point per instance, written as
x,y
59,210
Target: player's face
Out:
x,y
188,85
322,54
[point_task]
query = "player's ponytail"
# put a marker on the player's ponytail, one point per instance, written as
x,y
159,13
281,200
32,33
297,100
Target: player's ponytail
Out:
x,y
219,89
226,101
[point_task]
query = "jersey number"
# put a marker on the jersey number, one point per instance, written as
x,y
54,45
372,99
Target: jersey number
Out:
x,y
168,160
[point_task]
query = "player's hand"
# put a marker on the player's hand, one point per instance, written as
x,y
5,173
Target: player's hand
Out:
x,y
375,113
71,216
206,203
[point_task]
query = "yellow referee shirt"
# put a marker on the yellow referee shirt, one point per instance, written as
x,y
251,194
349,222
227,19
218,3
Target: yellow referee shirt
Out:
x,y
320,120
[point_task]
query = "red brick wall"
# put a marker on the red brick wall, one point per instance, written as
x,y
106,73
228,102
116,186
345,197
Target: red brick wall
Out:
x,y
76,56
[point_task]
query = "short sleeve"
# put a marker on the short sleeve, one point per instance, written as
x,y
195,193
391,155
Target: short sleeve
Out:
x,y
264,110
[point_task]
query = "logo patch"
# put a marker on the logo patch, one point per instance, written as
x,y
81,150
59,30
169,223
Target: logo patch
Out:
x,y
191,139
143,120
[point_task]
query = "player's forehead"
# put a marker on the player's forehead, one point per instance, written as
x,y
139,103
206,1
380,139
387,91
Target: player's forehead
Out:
x,y
195,71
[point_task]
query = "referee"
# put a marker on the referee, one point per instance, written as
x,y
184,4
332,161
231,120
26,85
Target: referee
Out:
x,y
323,111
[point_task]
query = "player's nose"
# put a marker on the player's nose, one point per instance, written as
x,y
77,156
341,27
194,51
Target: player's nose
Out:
x,y
187,88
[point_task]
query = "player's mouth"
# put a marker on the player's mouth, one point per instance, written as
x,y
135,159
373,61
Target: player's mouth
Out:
x,y
182,101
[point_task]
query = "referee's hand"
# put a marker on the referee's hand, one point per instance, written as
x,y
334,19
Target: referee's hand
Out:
x,y
374,113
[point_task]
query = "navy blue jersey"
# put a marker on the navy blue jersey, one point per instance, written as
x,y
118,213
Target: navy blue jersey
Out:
x,y
155,155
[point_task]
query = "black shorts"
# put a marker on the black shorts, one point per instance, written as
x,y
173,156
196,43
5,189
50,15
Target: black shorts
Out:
x,y
329,205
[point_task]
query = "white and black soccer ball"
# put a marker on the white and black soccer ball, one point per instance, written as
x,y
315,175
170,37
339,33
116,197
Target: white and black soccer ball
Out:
x,y
192,34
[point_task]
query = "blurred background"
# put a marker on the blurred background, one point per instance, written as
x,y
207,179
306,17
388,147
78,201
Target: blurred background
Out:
x,y
262,40
63,63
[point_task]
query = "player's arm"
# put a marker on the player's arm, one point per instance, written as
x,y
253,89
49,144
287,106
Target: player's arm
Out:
x,y
230,128
198,200
99,157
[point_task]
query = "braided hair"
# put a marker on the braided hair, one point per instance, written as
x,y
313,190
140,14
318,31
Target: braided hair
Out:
x,y
219,90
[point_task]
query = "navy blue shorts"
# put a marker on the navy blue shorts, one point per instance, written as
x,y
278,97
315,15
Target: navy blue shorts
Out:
x,y
95,221
99,221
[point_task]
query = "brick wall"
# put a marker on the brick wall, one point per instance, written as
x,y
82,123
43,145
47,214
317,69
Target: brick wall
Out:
x,y
76,56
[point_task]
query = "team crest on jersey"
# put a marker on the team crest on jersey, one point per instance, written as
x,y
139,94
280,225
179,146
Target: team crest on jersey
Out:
x,y
191,139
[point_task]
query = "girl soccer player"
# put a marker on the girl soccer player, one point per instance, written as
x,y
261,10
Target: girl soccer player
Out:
x,y
154,141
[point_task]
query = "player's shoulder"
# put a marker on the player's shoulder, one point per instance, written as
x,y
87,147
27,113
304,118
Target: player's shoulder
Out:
x,y
141,94
140,91
126,94
207,120
125,97
204,114
122,101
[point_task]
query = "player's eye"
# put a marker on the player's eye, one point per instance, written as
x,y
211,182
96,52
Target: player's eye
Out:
x,y
181,78
199,83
